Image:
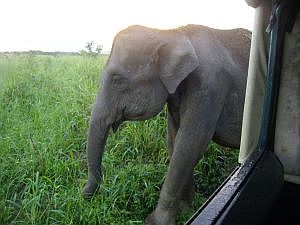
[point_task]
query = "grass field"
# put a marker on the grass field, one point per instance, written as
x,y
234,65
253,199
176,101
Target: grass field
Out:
x,y
45,104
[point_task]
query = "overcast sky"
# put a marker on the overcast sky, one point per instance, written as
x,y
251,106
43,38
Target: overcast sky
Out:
x,y
66,25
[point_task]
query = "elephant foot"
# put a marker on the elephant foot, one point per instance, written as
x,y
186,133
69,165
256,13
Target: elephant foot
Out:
x,y
90,188
186,201
185,205
187,196
161,217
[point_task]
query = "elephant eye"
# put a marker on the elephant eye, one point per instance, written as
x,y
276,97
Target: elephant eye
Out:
x,y
119,81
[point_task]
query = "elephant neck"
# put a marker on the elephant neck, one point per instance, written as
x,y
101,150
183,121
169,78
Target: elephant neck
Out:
x,y
176,97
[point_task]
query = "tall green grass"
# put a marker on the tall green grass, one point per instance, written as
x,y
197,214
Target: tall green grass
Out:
x,y
45,104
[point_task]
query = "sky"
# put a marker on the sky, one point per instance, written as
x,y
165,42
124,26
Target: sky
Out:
x,y
67,25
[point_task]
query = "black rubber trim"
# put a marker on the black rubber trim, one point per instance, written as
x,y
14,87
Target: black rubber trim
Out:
x,y
258,181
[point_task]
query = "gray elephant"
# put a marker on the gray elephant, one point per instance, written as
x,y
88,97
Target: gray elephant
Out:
x,y
199,72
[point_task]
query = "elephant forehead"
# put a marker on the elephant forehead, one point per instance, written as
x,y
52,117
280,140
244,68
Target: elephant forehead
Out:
x,y
128,66
135,45
130,58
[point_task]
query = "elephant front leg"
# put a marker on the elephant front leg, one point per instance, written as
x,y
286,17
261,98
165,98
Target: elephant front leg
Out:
x,y
188,192
195,132
174,193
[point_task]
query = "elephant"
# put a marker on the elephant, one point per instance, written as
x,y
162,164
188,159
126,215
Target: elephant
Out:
x,y
199,73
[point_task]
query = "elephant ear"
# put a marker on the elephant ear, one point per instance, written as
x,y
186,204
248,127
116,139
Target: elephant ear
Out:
x,y
177,59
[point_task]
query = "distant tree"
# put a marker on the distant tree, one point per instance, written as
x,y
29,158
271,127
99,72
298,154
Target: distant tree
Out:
x,y
89,46
99,49
91,50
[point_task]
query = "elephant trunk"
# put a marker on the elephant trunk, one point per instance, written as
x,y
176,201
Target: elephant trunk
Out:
x,y
97,135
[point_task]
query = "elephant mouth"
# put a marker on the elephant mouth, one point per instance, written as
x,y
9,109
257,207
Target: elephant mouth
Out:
x,y
116,125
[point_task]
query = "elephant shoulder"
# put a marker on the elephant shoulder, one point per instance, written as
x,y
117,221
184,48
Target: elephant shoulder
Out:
x,y
237,42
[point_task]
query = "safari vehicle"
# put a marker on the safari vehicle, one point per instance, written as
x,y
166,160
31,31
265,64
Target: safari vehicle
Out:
x,y
265,188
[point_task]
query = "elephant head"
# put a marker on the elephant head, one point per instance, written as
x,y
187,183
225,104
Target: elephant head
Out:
x,y
145,66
